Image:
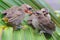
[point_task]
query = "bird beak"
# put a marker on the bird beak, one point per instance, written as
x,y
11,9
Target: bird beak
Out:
x,y
5,19
30,12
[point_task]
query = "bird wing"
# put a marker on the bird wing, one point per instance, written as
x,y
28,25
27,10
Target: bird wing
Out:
x,y
35,22
48,28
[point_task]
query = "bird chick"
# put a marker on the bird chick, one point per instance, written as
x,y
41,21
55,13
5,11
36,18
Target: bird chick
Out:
x,y
41,22
14,16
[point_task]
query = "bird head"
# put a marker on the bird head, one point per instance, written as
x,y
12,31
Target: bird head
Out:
x,y
38,14
45,11
28,9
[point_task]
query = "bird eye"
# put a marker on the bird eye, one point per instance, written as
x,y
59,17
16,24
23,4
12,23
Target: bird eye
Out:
x,y
38,13
30,8
4,14
44,11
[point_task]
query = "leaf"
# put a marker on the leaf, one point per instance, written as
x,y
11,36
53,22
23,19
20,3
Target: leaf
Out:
x,y
7,34
0,33
11,2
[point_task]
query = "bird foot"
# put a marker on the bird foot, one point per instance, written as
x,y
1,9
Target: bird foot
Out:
x,y
42,32
18,27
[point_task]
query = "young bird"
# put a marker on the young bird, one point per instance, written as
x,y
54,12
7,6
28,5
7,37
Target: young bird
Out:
x,y
42,23
15,15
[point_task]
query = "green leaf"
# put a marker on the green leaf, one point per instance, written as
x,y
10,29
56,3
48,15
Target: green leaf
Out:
x,y
7,34
18,35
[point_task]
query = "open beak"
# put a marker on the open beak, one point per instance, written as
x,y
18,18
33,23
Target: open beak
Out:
x,y
28,11
5,19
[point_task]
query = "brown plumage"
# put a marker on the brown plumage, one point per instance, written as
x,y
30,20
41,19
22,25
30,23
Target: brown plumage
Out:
x,y
15,15
41,22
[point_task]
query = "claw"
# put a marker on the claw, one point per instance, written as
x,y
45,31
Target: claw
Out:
x,y
18,27
42,32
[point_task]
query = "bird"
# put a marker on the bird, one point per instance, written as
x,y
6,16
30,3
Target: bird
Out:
x,y
41,22
15,15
